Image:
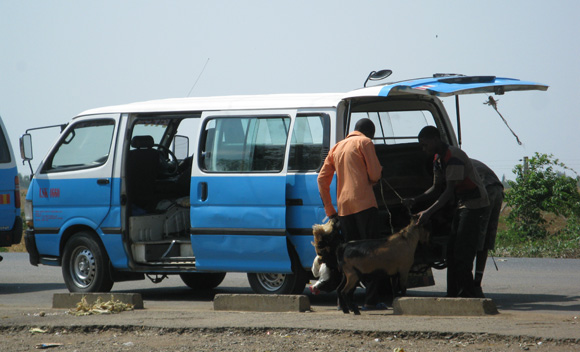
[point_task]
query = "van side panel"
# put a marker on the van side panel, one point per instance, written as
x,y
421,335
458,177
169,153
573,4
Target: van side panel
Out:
x,y
10,220
8,210
304,209
241,253
59,201
238,223
110,230
114,245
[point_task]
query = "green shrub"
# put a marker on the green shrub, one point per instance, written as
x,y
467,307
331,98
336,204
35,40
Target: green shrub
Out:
x,y
539,188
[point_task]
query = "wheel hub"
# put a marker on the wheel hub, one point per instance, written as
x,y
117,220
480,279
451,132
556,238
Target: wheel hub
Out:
x,y
271,282
83,267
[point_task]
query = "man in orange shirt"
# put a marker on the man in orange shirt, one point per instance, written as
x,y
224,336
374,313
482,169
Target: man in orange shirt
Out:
x,y
357,169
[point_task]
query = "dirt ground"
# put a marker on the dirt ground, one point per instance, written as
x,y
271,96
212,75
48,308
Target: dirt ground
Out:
x,y
263,340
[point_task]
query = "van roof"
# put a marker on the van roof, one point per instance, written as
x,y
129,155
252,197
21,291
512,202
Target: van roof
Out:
x,y
233,102
441,85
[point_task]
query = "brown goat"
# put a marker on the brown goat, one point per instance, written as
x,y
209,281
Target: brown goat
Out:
x,y
393,255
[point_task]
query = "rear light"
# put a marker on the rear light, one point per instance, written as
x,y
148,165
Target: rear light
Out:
x,y
16,192
28,214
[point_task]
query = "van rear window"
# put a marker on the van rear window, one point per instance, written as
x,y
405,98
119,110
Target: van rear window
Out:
x,y
394,127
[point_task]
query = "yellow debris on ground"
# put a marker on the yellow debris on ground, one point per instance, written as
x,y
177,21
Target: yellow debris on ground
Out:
x,y
100,307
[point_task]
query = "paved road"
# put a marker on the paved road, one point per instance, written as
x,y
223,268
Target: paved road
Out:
x,y
524,285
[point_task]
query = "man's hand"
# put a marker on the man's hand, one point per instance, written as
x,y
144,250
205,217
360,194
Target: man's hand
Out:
x,y
424,217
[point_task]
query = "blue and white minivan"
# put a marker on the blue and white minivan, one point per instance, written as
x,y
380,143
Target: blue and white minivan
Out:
x,y
10,220
199,187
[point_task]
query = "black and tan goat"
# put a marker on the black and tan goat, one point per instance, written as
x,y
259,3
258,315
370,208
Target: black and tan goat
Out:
x,y
393,255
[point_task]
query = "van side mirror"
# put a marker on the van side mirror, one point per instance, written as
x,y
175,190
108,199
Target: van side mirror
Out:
x,y
377,76
181,147
26,147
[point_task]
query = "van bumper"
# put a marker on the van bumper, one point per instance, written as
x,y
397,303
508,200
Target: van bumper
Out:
x,y
14,236
30,243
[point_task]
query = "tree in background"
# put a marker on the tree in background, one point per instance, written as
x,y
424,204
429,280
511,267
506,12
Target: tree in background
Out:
x,y
539,189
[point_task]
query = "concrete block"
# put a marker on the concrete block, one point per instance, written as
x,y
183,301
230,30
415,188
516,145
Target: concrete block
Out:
x,y
261,303
70,300
443,306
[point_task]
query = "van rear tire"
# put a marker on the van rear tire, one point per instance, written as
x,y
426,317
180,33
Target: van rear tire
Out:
x,y
85,265
202,281
278,284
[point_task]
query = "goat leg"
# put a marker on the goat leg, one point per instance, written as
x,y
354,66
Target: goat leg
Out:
x,y
352,303
342,301
403,277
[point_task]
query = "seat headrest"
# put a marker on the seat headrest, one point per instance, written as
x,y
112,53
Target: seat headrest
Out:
x,y
142,142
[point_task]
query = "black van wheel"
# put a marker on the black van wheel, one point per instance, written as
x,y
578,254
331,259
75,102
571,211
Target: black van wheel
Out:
x,y
202,281
280,284
85,265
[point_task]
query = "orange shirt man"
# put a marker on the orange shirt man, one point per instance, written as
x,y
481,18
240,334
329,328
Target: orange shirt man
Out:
x,y
357,169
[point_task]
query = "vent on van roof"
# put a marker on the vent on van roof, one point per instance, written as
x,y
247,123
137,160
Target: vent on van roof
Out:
x,y
468,80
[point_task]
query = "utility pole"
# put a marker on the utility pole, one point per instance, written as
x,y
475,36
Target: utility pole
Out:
x,y
526,167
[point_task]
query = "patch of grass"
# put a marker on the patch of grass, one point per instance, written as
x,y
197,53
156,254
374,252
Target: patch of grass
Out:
x,y
563,240
19,248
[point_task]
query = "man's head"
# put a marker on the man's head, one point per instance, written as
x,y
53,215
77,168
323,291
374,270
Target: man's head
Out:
x,y
430,140
366,127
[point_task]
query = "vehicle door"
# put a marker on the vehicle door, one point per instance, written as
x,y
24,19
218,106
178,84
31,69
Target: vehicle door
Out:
x,y
309,145
238,192
73,184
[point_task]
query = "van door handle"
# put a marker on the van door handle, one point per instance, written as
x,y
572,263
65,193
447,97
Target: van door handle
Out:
x,y
203,191
103,181
294,201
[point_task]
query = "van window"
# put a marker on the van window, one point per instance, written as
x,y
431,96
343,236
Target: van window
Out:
x,y
85,145
395,126
307,142
244,144
4,150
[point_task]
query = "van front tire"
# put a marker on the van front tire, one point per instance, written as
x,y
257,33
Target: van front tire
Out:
x,y
85,265
279,284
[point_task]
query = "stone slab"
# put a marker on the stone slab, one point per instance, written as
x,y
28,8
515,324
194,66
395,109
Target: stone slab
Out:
x,y
261,303
70,300
435,306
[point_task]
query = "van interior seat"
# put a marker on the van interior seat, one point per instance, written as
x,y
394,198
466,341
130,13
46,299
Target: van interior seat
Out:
x,y
142,172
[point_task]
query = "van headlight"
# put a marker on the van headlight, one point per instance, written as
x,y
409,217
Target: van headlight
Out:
x,y
28,215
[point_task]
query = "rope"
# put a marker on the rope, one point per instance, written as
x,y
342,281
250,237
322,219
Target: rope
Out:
x,y
385,202
493,103
388,211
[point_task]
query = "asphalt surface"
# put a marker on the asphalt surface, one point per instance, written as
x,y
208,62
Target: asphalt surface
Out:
x,y
536,298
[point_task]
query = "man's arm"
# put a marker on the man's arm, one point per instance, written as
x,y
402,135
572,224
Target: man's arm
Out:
x,y
374,168
324,180
443,199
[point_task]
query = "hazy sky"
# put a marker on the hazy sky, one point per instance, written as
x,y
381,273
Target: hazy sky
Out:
x,y
59,58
